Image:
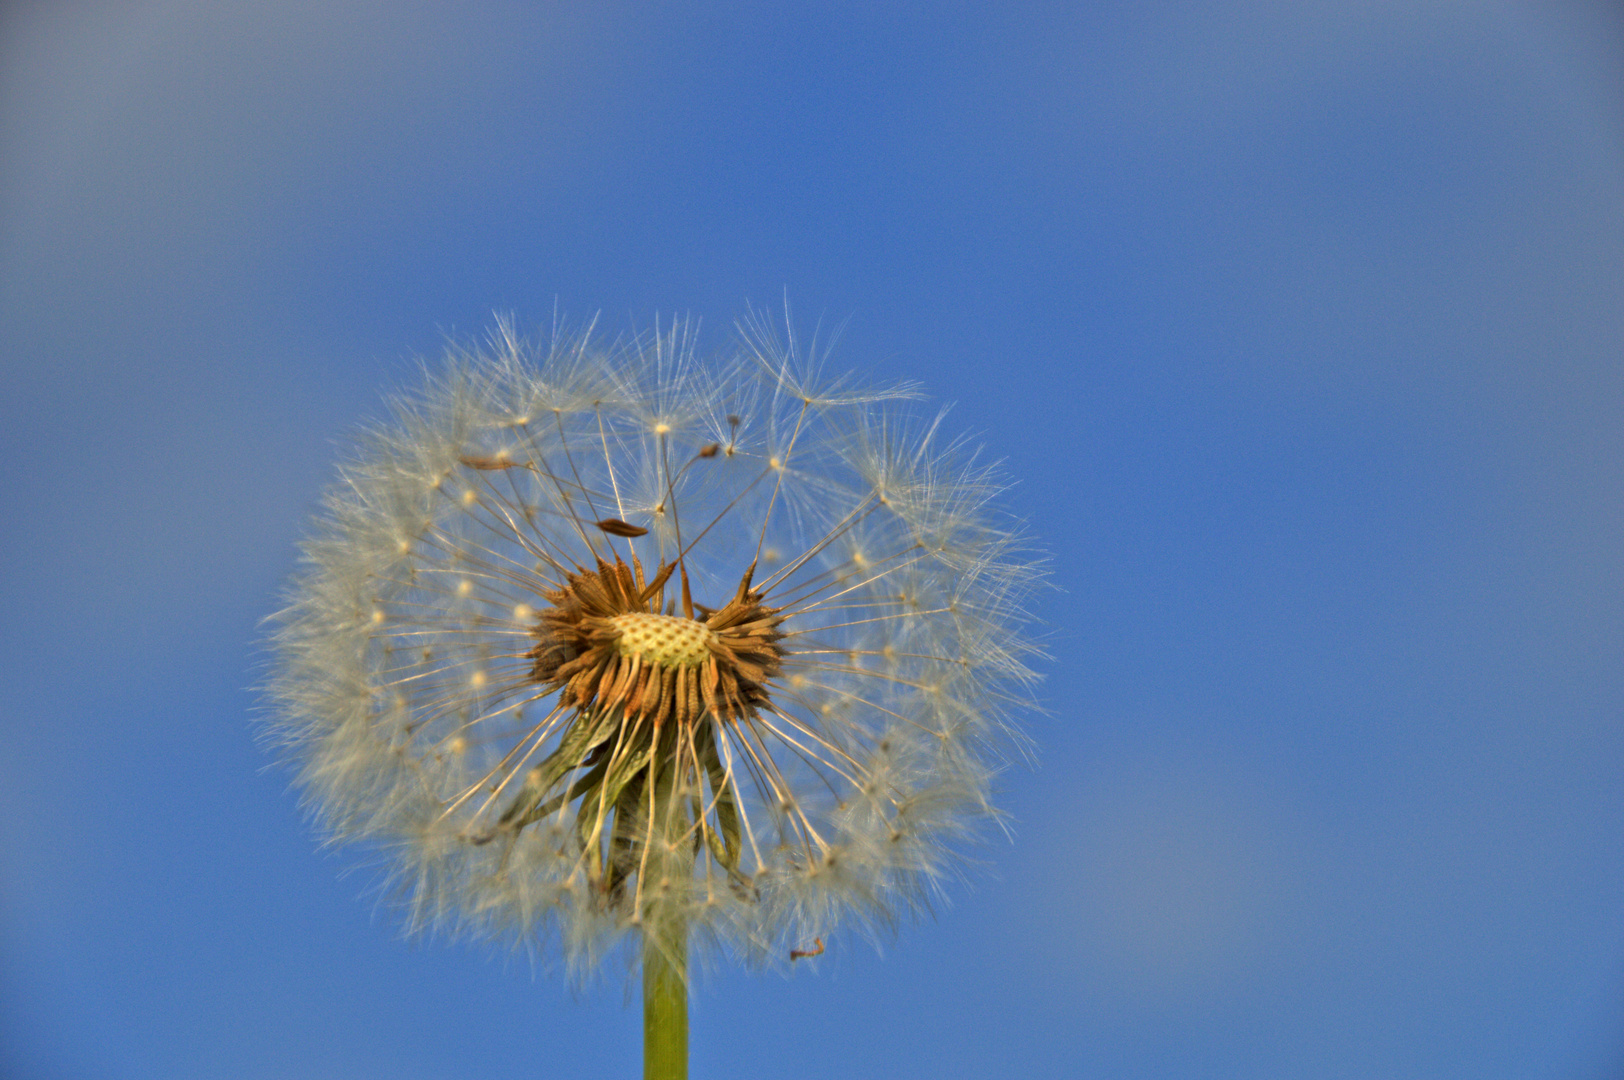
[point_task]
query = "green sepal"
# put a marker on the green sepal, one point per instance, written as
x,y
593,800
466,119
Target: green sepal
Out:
x,y
728,847
585,734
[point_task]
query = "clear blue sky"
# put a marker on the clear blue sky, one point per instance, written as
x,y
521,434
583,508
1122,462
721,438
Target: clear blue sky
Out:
x,y
1301,325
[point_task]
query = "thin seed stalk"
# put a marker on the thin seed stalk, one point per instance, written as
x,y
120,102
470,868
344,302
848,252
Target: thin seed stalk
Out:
x,y
665,1006
665,936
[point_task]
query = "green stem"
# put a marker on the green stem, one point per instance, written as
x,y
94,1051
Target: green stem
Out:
x,y
665,931
665,1005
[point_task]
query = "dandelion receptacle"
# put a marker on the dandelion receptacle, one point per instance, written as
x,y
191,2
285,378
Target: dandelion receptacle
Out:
x,y
603,644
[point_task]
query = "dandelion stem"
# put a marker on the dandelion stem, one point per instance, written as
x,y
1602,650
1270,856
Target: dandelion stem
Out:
x,y
665,933
665,1004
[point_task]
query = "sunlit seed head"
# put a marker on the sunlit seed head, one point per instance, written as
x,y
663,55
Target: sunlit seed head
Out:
x,y
758,639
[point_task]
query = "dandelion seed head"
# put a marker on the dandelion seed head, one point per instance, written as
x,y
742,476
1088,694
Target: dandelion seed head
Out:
x,y
588,639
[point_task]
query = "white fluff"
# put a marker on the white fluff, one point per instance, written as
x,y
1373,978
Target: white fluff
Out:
x,y
400,685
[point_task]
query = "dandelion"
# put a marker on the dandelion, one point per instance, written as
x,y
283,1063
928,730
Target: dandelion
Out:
x,y
595,644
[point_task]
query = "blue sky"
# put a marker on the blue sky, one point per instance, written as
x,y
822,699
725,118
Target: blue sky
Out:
x,y
1301,327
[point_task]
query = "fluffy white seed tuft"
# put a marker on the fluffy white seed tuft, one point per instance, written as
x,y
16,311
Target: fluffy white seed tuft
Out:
x,y
836,784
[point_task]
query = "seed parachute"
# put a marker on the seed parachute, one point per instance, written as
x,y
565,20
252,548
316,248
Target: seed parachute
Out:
x,y
591,639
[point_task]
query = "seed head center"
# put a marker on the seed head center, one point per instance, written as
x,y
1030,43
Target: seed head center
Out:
x,y
667,641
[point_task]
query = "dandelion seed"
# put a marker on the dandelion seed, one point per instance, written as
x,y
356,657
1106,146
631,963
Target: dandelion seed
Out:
x,y
591,642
